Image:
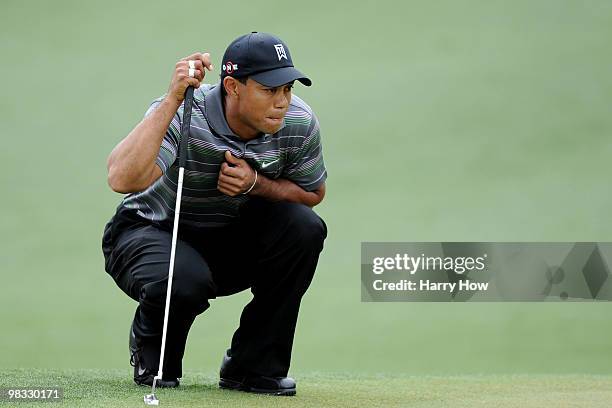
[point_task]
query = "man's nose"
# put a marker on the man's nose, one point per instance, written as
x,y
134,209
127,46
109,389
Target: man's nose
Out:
x,y
281,101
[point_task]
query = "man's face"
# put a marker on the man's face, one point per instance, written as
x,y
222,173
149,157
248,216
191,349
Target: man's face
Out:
x,y
262,107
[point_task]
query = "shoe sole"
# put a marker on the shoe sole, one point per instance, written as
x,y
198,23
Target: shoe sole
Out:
x,y
237,386
229,384
160,384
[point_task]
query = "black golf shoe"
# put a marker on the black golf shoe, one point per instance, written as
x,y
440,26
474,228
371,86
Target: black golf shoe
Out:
x,y
232,378
143,375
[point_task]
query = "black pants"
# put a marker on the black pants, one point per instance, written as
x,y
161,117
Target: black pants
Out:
x,y
273,250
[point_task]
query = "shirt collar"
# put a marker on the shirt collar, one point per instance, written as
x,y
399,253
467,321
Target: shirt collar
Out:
x,y
213,106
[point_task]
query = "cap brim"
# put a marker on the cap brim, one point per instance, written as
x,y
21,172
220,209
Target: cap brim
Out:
x,y
280,76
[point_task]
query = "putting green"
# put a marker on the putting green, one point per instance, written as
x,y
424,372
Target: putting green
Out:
x,y
113,388
454,121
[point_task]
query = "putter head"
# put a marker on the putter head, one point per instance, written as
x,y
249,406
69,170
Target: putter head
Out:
x,y
151,399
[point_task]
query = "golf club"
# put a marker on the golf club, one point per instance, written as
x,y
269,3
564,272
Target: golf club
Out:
x,y
151,399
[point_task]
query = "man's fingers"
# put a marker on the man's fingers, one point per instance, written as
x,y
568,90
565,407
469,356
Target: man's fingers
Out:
x,y
231,171
195,82
232,160
207,61
233,180
227,188
203,57
182,76
198,69
230,181
224,190
198,64
182,67
197,74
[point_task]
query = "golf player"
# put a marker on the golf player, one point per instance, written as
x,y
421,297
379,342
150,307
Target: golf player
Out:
x,y
254,171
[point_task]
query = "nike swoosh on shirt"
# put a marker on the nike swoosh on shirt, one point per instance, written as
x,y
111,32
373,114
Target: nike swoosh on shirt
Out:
x,y
264,165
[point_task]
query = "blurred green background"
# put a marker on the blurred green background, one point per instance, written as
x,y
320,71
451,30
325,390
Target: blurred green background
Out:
x,y
442,121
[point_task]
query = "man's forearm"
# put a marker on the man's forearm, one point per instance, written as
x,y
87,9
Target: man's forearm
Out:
x,y
286,190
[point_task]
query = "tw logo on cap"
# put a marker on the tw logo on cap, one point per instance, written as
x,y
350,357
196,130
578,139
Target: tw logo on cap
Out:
x,y
229,67
280,51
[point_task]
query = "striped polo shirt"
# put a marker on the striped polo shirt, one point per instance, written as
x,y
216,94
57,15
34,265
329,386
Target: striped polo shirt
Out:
x,y
294,152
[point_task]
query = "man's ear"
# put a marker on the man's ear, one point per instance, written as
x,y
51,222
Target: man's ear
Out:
x,y
231,86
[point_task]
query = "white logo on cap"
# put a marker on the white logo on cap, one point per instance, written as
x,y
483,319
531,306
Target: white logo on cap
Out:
x,y
280,51
230,67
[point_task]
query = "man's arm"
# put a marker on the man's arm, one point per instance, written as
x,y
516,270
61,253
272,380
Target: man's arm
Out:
x,y
131,165
286,190
241,177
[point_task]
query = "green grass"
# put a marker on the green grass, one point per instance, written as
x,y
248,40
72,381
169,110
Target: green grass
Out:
x,y
482,120
113,388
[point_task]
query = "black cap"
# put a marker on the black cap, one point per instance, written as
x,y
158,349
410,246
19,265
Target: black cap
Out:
x,y
263,57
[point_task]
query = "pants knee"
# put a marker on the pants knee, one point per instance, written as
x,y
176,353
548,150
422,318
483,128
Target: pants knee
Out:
x,y
191,289
193,285
306,226
193,295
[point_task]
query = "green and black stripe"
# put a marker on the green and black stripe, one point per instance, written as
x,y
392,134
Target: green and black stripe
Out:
x,y
294,153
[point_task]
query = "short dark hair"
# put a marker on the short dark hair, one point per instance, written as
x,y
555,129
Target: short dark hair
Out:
x,y
242,80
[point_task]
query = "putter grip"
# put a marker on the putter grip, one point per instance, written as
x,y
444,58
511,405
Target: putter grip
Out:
x,y
185,126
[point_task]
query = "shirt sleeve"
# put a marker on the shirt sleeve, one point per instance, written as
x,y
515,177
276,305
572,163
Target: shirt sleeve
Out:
x,y
168,151
305,165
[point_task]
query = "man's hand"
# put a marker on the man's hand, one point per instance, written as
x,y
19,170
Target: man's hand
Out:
x,y
235,177
181,79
